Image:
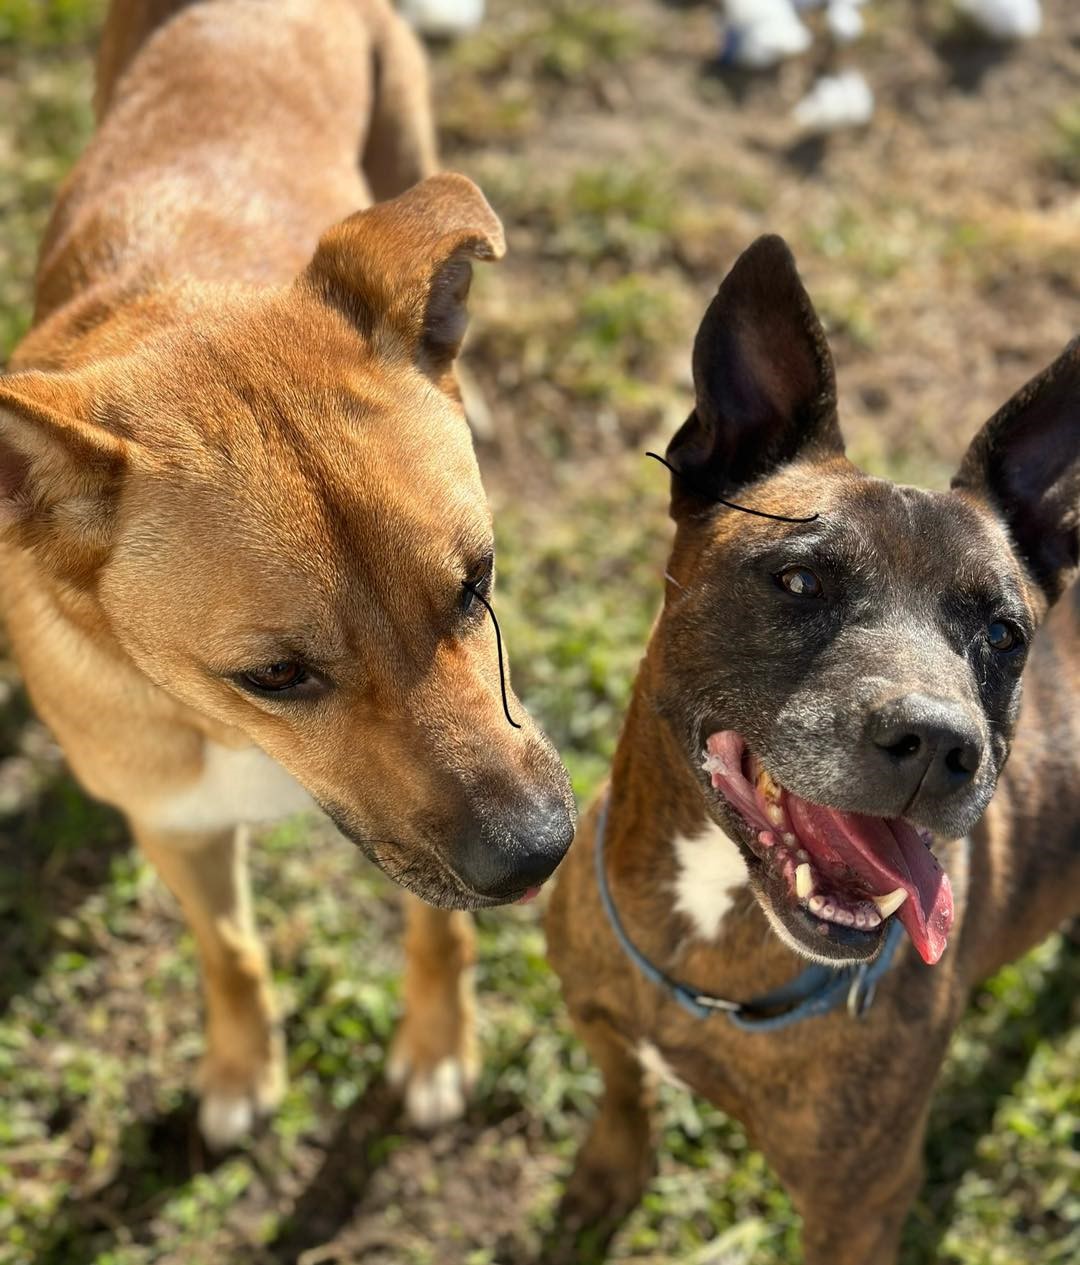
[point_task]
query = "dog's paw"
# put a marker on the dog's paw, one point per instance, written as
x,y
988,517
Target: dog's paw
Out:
x,y
435,1094
231,1104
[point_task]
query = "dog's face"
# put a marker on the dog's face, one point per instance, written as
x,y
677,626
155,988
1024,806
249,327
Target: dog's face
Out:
x,y
847,687
280,513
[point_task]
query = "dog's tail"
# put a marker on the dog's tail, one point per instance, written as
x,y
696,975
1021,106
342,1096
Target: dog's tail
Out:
x,y
400,148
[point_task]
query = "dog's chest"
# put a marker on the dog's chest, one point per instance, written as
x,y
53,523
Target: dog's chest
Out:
x,y
710,876
234,787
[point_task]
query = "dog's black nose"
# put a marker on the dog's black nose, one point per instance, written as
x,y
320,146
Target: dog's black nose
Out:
x,y
933,745
517,849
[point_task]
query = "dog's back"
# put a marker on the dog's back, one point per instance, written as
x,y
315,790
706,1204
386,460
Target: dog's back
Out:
x,y
232,133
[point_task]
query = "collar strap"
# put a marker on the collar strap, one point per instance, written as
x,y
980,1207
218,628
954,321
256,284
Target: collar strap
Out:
x,y
818,990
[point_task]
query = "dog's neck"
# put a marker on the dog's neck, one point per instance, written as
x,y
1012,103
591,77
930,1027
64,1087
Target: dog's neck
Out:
x,y
680,885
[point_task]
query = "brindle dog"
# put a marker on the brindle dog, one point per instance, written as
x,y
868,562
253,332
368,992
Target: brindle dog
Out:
x,y
821,702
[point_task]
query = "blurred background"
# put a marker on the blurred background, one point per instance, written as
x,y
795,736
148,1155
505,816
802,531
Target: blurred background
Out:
x,y
941,244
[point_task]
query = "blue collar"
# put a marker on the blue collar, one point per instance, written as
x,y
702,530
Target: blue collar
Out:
x,y
816,991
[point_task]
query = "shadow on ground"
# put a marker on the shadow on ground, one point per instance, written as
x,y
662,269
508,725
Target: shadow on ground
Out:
x,y
159,1156
56,847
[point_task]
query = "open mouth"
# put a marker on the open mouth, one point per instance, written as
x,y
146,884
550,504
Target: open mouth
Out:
x,y
833,878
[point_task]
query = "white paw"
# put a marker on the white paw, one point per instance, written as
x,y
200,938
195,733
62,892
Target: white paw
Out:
x,y
225,1119
434,1096
229,1111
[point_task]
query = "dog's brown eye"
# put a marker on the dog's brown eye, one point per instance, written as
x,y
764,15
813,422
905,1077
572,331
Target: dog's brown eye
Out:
x,y
477,583
801,581
276,677
1002,636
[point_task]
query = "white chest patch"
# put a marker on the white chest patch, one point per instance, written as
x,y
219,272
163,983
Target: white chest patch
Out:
x,y
656,1065
236,787
711,874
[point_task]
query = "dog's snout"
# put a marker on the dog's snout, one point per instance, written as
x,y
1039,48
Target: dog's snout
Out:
x,y
517,848
933,746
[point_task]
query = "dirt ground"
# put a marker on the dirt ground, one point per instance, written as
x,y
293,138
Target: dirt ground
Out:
x,y
942,247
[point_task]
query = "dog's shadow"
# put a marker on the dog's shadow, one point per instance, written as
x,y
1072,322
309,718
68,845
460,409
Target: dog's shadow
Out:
x,y
56,848
164,1154
969,58
336,1189
158,1156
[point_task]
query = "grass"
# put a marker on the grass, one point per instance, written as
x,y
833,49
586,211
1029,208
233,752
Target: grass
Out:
x,y
582,341
45,120
99,1166
565,41
1064,149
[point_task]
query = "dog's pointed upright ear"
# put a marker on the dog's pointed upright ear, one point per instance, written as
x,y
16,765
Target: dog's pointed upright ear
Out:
x,y
59,469
1026,463
401,269
763,379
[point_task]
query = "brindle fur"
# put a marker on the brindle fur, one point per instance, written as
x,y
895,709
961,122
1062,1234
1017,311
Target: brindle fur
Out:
x,y
837,1105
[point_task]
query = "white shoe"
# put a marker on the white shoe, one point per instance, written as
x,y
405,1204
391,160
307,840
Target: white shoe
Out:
x,y
1005,19
844,21
443,19
761,33
836,101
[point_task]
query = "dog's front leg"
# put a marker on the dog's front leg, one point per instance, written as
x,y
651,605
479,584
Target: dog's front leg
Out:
x,y
242,1075
865,1231
434,1054
618,1157
854,1199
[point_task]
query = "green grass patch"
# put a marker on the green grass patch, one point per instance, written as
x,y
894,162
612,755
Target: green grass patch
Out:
x,y
570,41
1064,147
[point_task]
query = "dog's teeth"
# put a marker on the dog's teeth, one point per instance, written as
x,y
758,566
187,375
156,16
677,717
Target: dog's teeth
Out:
x,y
804,880
873,918
890,904
766,838
844,917
765,784
828,909
775,814
816,904
791,841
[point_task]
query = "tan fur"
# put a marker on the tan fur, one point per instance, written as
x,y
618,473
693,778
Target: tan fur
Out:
x,y
233,437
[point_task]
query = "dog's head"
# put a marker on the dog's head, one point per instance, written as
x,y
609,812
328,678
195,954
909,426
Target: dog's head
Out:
x,y
846,688
275,507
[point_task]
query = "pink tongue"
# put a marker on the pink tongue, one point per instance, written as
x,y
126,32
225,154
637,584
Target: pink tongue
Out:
x,y
885,855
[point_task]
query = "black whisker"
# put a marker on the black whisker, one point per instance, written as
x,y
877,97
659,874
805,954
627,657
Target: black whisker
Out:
x,y
498,646
779,518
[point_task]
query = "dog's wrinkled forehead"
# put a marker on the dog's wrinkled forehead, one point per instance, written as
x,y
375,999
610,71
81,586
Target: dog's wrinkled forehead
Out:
x,y
919,546
893,546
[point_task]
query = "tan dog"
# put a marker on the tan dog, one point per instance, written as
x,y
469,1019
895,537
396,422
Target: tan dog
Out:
x,y
244,539
823,698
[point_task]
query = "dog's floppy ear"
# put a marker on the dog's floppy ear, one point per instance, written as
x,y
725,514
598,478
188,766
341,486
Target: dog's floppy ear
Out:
x,y
763,379
1026,463
59,469
401,269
